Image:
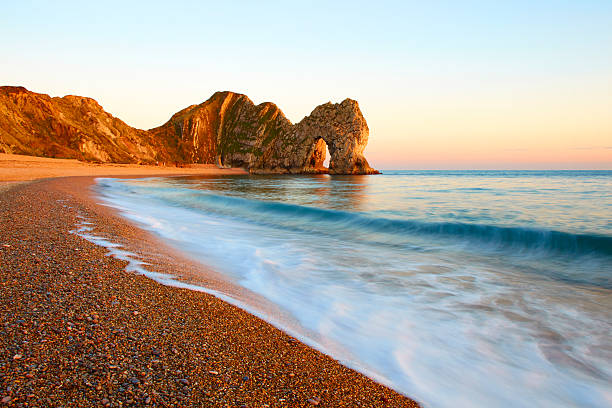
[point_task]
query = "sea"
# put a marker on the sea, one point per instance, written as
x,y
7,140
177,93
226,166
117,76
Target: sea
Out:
x,y
455,288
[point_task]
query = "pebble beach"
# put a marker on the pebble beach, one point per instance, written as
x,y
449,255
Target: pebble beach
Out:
x,y
79,330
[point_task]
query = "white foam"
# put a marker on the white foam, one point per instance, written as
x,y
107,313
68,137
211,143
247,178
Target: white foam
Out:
x,y
446,328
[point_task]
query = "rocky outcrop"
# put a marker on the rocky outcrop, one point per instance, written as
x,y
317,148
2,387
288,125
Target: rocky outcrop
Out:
x,y
345,131
70,127
228,129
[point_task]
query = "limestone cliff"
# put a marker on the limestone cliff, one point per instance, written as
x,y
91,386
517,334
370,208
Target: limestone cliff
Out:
x,y
228,129
70,127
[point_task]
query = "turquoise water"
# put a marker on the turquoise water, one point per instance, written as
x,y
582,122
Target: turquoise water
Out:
x,y
463,288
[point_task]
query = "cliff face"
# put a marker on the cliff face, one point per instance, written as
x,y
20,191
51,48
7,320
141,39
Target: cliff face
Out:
x,y
227,129
72,127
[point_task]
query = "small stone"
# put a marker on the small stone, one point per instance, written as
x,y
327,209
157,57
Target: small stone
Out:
x,y
6,245
213,372
17,357
6,400
291,375
134,380
136,312
245,378
105,402
314,400
183,381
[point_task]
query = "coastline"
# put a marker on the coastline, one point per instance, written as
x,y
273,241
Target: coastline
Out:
x,y
132,340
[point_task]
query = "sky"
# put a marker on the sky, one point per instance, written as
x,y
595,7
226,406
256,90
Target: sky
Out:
x,y
442,84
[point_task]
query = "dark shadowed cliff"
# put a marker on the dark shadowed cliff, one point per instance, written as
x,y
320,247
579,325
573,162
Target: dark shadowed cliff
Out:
x,y
228,129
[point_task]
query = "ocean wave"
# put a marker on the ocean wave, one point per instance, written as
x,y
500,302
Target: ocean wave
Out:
x,y
405,286
322,220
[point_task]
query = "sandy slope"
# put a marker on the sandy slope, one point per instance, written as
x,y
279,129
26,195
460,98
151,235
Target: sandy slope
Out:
x,y
15,167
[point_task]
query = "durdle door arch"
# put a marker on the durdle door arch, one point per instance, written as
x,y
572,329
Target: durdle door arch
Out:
x,y
344,130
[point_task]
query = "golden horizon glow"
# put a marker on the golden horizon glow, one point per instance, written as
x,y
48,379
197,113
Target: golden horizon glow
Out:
x,y
457,87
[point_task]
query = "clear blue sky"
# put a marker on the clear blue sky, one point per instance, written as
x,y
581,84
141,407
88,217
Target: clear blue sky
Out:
x,y
443,84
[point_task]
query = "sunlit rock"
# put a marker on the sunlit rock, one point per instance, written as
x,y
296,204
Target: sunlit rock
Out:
x,y
228,130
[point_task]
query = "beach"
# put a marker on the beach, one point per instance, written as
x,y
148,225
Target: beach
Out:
x,y
79,330
16,168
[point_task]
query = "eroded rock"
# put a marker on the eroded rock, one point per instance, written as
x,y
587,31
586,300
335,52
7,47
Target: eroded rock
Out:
x,y
228,130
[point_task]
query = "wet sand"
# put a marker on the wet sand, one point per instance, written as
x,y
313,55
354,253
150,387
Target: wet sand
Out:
x,y
78,330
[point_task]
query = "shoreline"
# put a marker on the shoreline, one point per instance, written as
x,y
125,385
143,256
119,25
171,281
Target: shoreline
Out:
x,y
233,358
171,266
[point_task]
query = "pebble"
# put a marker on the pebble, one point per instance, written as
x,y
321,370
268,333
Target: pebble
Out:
x,y
94,337
17,357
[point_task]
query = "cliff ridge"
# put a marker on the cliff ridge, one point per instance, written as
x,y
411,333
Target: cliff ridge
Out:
x,y
228,130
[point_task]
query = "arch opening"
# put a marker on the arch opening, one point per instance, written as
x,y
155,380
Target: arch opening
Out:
x,y
327,158
320,158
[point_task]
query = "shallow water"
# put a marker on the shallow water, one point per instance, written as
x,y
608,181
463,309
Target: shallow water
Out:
x,y
455,288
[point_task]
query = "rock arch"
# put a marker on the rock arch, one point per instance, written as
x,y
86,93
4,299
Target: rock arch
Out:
x,y
231,129
344,129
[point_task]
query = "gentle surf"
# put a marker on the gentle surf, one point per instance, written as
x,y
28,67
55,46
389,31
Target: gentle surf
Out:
x,y
456,288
